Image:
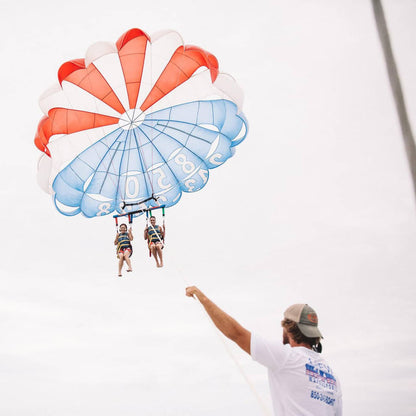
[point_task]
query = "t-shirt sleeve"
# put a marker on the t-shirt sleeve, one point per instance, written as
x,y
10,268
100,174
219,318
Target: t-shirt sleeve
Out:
x,y
272,354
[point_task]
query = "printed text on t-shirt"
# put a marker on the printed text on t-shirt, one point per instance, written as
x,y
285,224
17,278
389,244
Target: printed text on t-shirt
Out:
x,y
320,376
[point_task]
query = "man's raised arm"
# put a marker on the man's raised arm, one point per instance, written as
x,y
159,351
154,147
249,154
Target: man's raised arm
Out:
x,y
224,322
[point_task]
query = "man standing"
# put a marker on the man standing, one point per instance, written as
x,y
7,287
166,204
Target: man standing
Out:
x,y
301,381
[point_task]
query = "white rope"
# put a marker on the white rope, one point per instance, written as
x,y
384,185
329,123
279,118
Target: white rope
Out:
x,y
260,401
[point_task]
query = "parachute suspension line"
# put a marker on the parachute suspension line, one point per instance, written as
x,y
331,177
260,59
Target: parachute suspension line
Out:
x,y
394,78
140,210
129,216
163,223
147,227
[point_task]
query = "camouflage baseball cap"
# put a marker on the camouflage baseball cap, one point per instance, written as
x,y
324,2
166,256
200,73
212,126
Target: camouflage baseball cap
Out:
x,y
306,318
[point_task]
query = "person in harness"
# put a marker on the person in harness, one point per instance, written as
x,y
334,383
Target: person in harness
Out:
x,y
124,248
155,235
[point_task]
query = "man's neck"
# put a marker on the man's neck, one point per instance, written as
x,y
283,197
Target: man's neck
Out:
x,y
295,344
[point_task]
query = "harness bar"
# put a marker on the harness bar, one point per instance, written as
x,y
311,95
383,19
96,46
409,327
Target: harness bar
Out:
x,y
139,211
130,204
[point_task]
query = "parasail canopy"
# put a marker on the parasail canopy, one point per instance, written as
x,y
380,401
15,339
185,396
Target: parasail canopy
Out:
x,y
146,116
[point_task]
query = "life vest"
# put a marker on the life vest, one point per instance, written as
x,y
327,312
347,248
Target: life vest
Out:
x,y
123,241
154,234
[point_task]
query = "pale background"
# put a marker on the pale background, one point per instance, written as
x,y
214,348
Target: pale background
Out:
x,y
315,207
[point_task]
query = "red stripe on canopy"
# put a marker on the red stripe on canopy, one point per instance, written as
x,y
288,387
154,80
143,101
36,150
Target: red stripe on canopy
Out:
x,y
41,139
90,79
129,35
131,50
184,62
66,121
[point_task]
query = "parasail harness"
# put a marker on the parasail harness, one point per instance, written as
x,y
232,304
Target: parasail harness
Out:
x,y
148,211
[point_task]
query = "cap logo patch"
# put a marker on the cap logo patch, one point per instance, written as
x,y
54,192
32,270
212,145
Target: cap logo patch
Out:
x,y
312,317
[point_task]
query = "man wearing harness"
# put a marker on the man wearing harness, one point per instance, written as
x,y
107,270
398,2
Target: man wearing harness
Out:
x,y
301,381
155,234
124,249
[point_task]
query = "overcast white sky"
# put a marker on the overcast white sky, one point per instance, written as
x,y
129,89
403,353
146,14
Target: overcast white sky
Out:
x,y
315,207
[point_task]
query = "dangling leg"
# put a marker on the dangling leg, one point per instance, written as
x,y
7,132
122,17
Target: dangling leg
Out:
x,y
120,263
159,252
127,254
154,253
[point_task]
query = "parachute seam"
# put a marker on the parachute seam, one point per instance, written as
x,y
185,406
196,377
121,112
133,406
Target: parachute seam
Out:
x,y
143,164
93,169
119,172
110,148
109,165
183,131
128,159
183,147
76,174
111,89
163,159
95,96
202,162
105,154
96,112
170,137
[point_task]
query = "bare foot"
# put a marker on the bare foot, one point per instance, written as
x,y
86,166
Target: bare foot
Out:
x,y
120,275
129,270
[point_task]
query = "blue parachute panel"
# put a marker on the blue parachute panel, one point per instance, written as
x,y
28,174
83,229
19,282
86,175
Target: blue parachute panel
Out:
x,y
170,152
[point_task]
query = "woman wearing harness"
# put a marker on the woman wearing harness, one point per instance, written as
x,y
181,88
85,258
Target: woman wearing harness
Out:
x,y
155,235
124,249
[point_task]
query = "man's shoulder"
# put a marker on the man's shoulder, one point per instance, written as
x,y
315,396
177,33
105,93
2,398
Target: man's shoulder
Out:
x,y
270,352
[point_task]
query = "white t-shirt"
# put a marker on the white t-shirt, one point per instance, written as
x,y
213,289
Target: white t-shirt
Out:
x,y
301,382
